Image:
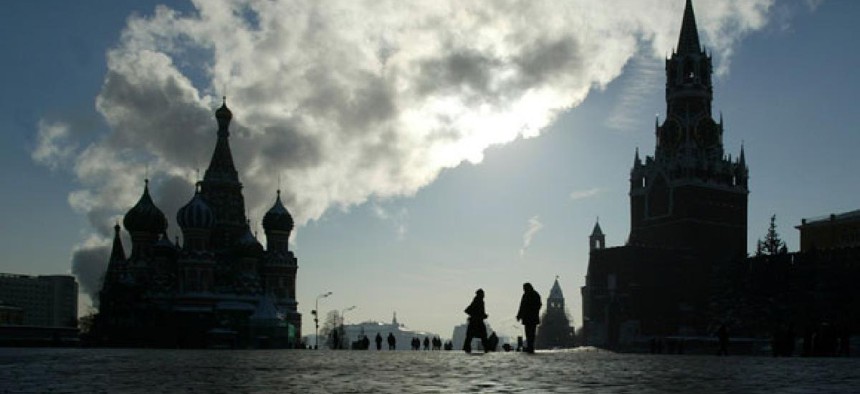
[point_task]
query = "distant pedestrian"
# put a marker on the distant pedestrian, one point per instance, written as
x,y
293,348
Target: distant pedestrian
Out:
x,y
378,341
426,343
529,314
392,342
493,342
335,341
476,327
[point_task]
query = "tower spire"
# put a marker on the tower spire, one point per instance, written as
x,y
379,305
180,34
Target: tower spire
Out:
x,y
597,240
688,42
221,187
117,252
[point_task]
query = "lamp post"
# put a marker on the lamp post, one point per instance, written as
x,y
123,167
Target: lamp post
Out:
x,y
316,314
342,321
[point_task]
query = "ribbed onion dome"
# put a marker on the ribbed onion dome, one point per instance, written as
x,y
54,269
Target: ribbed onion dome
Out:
x,y
278,218
196,214
145,216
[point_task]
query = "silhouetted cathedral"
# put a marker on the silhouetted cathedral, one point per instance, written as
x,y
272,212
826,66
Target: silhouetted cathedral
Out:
x,y
555,329
688,211
220,288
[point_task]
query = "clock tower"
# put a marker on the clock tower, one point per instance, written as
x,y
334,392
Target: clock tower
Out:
x,y
689,194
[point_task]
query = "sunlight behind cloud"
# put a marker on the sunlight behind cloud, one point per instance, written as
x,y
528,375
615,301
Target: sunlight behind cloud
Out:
x,y
345,101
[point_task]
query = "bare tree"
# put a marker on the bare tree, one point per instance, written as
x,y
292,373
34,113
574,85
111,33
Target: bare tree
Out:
x,y
331,323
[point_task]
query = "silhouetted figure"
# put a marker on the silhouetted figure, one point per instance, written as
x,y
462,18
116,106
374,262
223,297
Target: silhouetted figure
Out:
x,y
365,343
723,335
507,347
476,327
416,343
392,342
426,343
493,342
437,343
529,314
335,341
378,341
449,345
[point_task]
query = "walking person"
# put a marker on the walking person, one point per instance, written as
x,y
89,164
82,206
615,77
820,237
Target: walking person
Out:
x,y
476,327
378,341
529,314
392,342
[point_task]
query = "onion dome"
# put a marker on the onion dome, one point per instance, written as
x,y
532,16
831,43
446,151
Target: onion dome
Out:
x,y
278,218
223,114
249,244
145,216
195,214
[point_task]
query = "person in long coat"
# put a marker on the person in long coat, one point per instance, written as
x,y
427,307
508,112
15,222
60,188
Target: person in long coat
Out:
x,y
529,314
476,327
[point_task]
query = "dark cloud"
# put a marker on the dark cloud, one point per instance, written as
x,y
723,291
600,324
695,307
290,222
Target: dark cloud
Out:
x,y
467,71
548,59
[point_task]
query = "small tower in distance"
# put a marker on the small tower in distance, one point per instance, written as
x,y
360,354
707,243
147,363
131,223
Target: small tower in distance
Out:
x,y
555,329
597,240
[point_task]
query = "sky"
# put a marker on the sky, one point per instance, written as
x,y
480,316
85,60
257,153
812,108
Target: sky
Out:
x,y
425,149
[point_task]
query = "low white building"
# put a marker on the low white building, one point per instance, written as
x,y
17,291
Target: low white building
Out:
x,y
402,334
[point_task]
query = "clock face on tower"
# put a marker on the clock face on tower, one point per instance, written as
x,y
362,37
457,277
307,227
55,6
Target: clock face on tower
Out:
x,y
671,135
707,133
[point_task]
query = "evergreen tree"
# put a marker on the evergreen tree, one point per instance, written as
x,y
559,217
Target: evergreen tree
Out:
x,y
771,244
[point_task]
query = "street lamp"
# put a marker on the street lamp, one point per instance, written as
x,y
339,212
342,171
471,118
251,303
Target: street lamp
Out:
x,y
316,314
342,321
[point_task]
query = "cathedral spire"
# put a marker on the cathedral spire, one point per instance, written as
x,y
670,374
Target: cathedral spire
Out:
x,y
688,42
117,252
221,188
221,167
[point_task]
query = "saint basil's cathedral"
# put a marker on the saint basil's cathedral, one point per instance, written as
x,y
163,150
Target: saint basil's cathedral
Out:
x,y
220,288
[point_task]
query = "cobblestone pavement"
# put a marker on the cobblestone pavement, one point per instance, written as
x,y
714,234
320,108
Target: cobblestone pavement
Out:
x,y
300,371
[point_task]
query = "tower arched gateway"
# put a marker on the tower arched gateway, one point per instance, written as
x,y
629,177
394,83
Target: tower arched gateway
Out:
x,y
220,288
